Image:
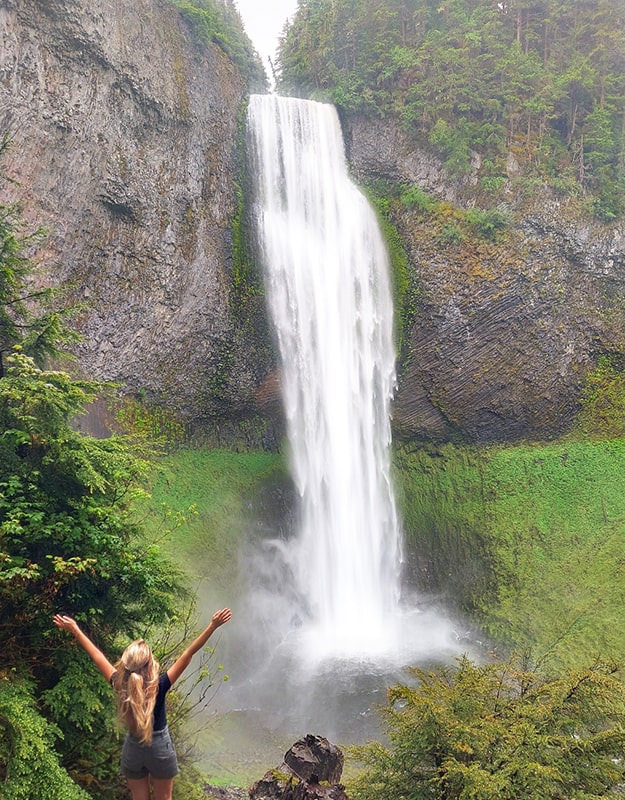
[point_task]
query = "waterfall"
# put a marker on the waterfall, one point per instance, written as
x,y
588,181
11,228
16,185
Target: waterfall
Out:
x,y
328,290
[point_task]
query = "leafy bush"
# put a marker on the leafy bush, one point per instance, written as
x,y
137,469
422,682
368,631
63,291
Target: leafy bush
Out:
x,y
498,732
415,197
486,223
493,184
29,765
450,234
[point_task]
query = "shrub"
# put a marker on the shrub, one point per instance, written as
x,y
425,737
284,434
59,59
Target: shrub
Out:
x,y
498,732
29,765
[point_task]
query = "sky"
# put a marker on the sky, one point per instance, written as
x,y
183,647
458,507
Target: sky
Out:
x,y
263,21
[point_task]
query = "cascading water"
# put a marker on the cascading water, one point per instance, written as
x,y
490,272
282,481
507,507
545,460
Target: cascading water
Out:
x,y
328,287
319,631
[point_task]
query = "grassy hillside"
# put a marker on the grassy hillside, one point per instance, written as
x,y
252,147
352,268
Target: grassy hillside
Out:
x,y
530,538
200,506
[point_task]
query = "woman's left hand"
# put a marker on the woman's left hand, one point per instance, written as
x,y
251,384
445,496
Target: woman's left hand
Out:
x,y
66,623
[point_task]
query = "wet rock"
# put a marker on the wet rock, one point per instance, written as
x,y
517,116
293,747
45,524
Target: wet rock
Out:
x,y
311,770
505,330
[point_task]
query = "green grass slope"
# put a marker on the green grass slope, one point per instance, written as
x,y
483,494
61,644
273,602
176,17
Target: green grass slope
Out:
x,y
530,538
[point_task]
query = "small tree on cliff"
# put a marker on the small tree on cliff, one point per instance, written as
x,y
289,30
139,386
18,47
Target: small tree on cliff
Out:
x,y
25,315
497,732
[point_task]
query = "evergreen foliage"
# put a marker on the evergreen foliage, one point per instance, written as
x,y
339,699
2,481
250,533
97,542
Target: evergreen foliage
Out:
x,y
25,315
29,765
541,80
498,732
66,531
69,542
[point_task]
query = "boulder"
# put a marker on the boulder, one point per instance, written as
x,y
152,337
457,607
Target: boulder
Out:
x,y
311,770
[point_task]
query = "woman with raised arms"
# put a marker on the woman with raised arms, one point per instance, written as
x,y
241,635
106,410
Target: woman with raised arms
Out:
x,y
148,754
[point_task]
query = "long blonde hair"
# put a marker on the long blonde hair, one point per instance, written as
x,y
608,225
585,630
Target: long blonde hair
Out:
x,y
136,685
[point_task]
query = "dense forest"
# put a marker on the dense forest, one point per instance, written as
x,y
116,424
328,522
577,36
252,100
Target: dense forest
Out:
x,y
539,82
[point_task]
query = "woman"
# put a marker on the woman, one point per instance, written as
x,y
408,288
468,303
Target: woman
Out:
x,y
148,755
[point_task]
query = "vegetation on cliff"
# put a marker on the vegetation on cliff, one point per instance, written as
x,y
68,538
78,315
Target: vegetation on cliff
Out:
x,y
538,81
69,542
27,316
528,539
218,21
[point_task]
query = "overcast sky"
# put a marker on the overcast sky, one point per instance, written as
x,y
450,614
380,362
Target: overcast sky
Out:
x,y
263,21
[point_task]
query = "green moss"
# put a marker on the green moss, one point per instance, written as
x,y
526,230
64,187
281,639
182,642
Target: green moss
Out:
x,y
157,424
250,334
406,290
284,777
603,400
246,271
202,496
533,537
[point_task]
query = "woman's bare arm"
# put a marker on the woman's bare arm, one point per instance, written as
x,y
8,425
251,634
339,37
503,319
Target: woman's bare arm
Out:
x,y
96,655
178,667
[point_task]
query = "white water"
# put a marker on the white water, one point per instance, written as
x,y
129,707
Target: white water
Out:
x,y
319,633
328,288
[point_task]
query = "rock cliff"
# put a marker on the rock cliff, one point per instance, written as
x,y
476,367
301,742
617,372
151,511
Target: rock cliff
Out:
x,y
124,135
126,142
506,330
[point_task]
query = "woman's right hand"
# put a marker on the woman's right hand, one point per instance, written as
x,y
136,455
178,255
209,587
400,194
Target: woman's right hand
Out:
x,y
93,651
221,617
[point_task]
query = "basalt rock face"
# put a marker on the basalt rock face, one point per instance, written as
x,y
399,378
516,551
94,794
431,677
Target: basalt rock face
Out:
x,y
504,331
124,144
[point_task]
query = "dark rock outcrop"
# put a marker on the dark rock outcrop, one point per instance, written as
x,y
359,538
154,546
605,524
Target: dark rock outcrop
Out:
x,y
311,770
504,332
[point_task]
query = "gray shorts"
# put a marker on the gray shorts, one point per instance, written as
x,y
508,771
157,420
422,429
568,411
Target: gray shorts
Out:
x,y
157,759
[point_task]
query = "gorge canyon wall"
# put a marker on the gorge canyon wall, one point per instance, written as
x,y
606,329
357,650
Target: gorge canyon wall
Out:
x,y
126,146
505,330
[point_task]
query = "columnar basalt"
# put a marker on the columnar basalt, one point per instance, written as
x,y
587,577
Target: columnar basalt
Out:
x,y
505,330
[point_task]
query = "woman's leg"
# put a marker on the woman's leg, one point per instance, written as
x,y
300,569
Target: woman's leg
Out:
x,y
162,788
139,789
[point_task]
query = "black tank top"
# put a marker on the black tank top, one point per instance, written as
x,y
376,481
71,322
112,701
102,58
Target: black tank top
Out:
x,y
160,715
